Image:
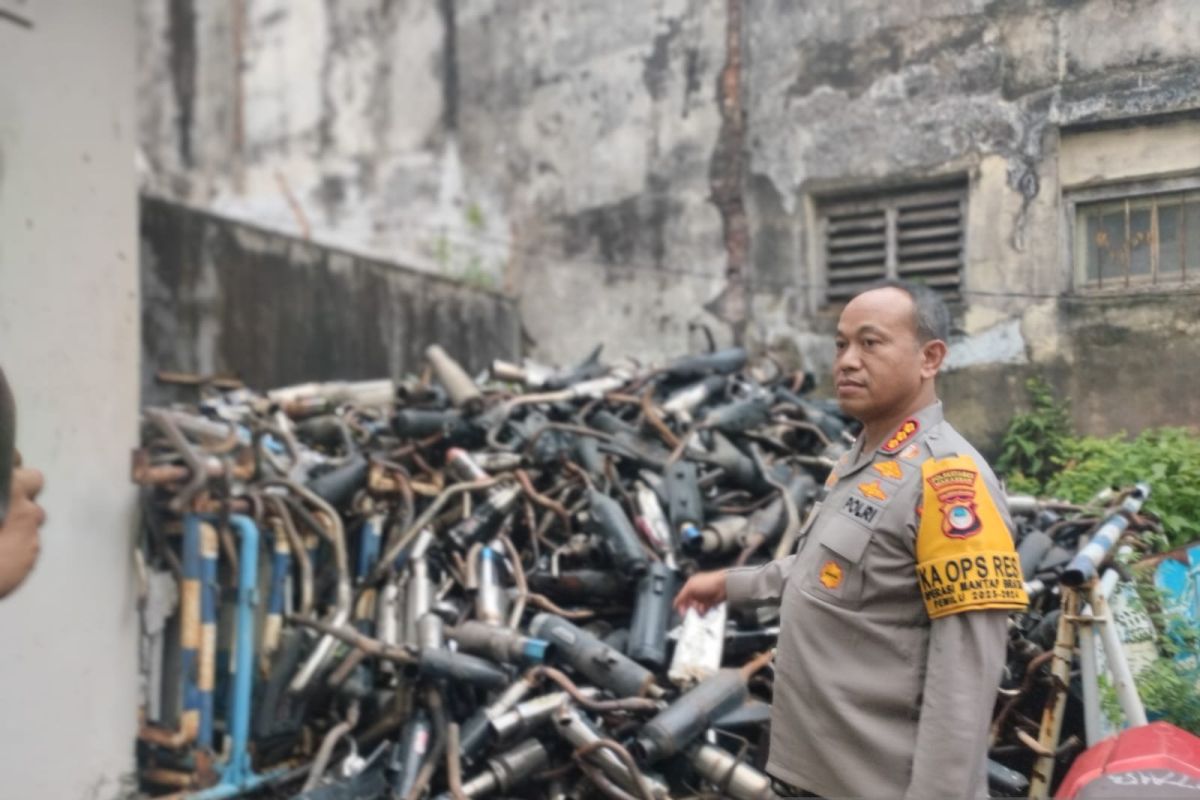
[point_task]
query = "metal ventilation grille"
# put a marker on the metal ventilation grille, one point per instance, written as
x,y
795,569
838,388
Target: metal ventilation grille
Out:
x,y
856,245
915,235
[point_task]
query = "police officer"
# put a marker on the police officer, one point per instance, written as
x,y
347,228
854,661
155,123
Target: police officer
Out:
x,y
893,609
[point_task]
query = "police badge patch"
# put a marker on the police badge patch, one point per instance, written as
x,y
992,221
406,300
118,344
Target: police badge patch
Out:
x,y
873,490
965,555
906,431
831,575
889,469
955,489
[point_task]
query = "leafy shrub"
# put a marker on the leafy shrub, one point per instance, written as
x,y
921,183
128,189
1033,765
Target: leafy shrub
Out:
x,y
1167,458
1168,686
1034,446
1041,455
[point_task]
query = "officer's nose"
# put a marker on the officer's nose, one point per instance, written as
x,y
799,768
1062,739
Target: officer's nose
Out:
x,y
847,361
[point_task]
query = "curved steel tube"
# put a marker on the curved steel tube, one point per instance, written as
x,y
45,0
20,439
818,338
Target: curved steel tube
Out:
x,y
299,552
388,559
321,761
345,594
199,474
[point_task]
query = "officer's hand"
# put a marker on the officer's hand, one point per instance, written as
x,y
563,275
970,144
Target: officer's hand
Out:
x,y
702,591
19,543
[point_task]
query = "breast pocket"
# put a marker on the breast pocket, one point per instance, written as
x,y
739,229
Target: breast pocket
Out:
x,y
835,572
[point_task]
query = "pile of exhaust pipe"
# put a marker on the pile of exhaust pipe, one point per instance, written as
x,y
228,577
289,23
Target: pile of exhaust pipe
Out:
x,y
460,586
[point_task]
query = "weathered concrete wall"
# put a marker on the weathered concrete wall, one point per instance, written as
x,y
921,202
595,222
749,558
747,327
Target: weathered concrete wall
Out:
x,y
1124,363
226,298
1022,98
628,169
557,150
68,343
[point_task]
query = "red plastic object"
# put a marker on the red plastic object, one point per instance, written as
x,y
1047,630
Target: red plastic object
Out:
x,y
1155,760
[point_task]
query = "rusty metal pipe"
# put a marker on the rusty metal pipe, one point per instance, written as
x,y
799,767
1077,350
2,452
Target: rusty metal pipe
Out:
x,y
199,475
601,782
454,762
792,530
172,740
606,754
1056,703
321,761
733,776
458,384
299,552
1031,670
161,776
583,699
388,559
518,571
433,702
272,625
190,641
345,593
352,637
147,474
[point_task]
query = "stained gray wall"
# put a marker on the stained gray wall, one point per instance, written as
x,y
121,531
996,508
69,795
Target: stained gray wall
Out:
x,y
628,168
1030,101
560,151
69,345
230,299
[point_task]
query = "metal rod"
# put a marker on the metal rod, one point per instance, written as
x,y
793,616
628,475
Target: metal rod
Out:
x,y
199,474
206,682
237,777
1086,563
389,557
1092,719
243,682
345,594
1118,663
321,761
298,551
189,644
352,637
281,560
1060,672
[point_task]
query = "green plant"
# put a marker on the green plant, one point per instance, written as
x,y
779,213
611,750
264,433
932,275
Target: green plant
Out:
x,y
1168,689
1109,703
1170,686
1034,445
441,251
1167,458
475,219
475,275
1039,454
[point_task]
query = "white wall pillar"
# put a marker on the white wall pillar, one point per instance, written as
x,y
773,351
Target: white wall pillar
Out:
x,y
69,344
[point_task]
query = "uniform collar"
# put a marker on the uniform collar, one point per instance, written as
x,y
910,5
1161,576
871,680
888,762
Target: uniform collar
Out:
x,y
912,430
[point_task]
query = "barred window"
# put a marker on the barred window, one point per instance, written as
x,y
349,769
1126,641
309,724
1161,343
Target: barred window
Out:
x,y
915,234
1140,239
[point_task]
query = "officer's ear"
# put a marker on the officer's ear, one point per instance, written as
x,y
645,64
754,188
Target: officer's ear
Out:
x,y
933,353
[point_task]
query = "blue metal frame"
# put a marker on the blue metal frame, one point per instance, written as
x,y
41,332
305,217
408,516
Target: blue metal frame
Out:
x,y
237,776
193,587
281,565
209,591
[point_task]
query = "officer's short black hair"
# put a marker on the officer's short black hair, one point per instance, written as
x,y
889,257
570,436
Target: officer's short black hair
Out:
x,y
930,313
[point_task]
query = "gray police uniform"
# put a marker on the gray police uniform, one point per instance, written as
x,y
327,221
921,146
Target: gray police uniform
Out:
x,y
893,621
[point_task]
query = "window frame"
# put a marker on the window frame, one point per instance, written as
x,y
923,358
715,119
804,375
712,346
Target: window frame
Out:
x,y
888,197
1110,192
